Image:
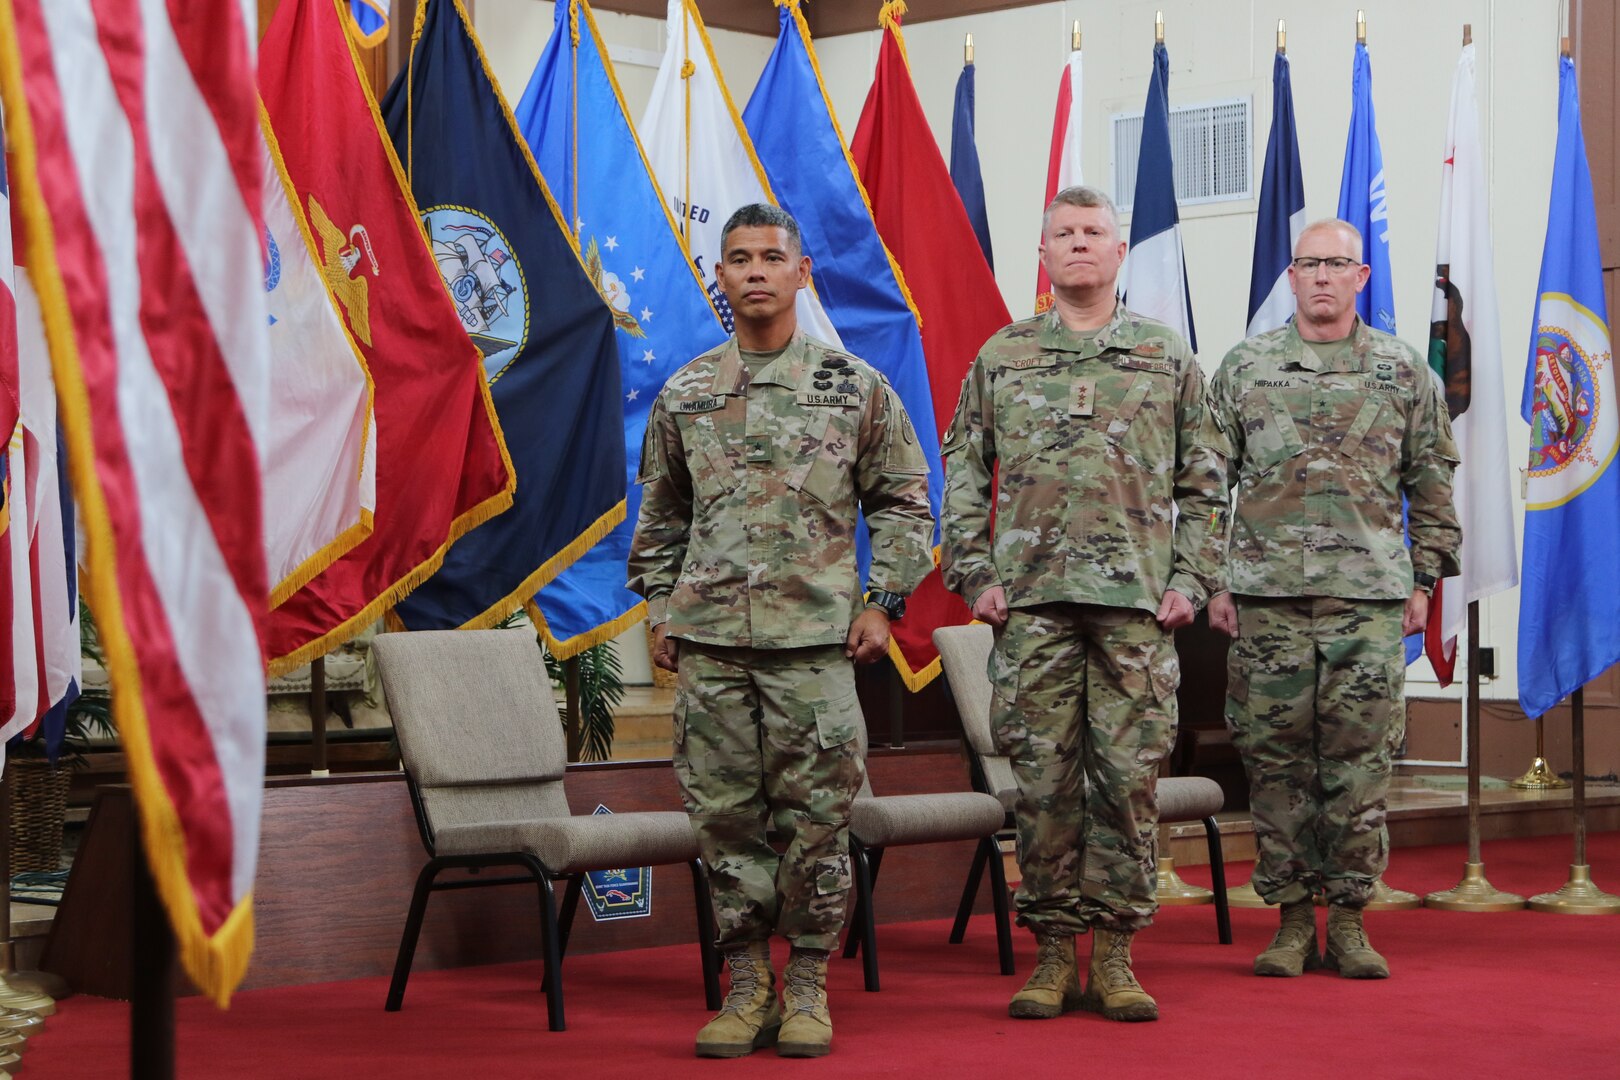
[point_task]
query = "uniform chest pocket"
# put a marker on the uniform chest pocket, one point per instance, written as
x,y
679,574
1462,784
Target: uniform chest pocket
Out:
x,y
1031,412
1141,385
823,456
1366,423
1269,435
709,454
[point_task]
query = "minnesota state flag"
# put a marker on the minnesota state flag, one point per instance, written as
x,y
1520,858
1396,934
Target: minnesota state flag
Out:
x,y
575,122
526,300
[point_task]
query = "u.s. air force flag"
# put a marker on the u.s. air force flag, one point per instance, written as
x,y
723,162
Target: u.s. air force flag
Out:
x,y
526,301
1363,200
703,158
1569,607
576,123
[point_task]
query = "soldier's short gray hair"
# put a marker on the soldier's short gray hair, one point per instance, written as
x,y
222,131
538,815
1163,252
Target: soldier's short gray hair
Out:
x,y
1083,197
1344,227
763,216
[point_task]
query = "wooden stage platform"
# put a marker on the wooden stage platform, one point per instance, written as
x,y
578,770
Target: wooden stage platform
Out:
x,y
339,856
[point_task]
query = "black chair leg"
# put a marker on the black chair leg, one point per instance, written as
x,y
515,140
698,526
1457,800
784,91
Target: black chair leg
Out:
x,y
999,904
570,906
552,983
1217,874
708,955
413,930
866,867
970,892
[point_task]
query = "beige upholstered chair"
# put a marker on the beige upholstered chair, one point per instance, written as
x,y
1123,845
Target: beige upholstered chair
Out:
x,y
879,822
484,755
964,653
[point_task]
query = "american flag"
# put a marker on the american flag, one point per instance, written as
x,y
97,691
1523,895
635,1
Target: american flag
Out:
x,y
137,171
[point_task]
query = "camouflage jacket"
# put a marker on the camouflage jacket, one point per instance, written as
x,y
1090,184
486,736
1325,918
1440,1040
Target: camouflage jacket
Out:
x,y
1103,440
1322,453
748,508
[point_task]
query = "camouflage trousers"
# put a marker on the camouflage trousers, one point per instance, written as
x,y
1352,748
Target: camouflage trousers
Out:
x,y
768,737
1315,702
1085,708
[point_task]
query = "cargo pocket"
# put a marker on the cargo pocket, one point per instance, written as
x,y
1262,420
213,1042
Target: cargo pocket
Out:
x,y
1165,670
832,875
836,721
679,742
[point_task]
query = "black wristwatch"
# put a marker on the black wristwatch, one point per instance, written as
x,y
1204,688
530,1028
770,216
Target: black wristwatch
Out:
x,y
892,603
1424,582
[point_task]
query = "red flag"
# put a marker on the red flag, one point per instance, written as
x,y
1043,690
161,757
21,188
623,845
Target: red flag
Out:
x,y
1063,161
143,246
922,221
442,466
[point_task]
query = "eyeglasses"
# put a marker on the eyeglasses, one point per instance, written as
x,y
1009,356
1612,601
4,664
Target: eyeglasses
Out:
x,y
1336,266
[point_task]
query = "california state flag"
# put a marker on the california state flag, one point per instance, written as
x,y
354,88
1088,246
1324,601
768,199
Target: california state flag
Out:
x,y
1063,166
1465,352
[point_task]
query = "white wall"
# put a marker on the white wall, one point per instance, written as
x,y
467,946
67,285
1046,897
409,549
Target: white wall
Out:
x,y
1218,49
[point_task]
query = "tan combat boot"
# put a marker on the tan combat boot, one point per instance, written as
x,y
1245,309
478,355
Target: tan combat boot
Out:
x,y
1293,951
806,1024
1054,986
1348,950
750,1016
1111,987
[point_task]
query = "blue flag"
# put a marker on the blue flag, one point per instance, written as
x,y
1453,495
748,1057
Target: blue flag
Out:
x,y
1282,211
663,314
1363,201
1569,606
1154,279
370,20
797,140
526,300
965,172
53,725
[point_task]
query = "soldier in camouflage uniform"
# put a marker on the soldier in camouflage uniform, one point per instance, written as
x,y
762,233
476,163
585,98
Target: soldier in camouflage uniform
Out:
x,y
1331,422
756,458
1109,524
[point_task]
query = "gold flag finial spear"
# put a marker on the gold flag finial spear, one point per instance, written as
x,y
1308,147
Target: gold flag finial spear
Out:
x,y
1468,33
1158,28
1282,38
1361,27
1074,37
967,49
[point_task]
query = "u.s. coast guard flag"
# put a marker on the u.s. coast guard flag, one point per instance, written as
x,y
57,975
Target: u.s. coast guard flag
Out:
x,y
1363,200
572,115
1282,211
704,160
1569,606
965,171
1465,352
526,300
1153,281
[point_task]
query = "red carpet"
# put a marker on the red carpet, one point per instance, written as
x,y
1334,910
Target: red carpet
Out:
x,y
1510,995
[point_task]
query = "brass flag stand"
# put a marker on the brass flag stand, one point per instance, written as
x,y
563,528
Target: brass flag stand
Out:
x,y
1579,896
1473,892
1539,776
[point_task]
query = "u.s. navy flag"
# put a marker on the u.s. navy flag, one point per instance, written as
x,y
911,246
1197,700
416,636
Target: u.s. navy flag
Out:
x,y
1569,604
526,300
442,467
703,158
575,121
138,175
1153,281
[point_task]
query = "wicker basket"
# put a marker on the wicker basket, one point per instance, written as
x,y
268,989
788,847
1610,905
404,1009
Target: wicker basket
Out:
x,y
39,793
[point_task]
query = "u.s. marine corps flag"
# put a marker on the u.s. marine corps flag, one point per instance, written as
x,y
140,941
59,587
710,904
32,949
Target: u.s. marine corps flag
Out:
x,y
1569,603
575,121
442,468
526,300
